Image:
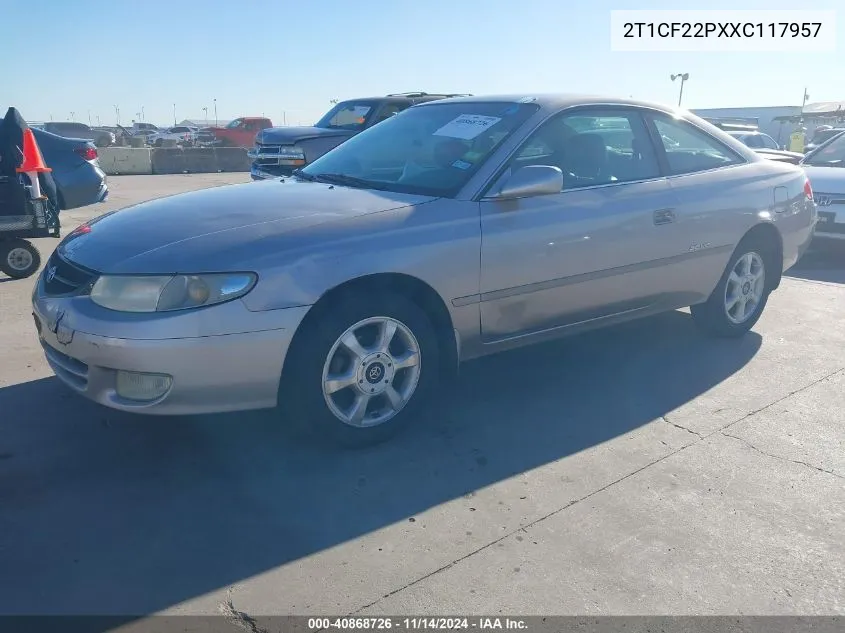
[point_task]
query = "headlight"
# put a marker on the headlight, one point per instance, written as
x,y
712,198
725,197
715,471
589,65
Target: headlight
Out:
x,y
163,293
290,151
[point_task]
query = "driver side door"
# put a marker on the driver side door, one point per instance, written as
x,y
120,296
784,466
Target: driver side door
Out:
x,y
586,253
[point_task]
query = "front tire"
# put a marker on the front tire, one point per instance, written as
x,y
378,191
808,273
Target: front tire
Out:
x,y
19,259
361,371
741,295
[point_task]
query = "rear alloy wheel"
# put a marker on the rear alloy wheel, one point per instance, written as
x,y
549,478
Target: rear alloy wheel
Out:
x,y
740,296
19,259
745,287
362,372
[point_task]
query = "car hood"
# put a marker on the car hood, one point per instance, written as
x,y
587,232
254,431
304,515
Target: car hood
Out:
x,y
289,135
219,229
826,179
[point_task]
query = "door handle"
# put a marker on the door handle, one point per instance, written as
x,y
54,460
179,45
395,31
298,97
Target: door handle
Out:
x,y
664,216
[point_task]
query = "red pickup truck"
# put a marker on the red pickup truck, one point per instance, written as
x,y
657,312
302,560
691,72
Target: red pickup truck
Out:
x,y
239,133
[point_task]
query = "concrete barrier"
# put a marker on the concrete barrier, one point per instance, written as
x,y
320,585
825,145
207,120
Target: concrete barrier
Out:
x,y
199,160
117,161
232,159
125,160
167,160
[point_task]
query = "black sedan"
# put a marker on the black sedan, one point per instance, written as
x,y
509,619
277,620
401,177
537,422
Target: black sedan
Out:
x,y
76,169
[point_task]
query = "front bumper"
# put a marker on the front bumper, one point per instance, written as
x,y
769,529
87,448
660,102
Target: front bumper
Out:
x,y
212,370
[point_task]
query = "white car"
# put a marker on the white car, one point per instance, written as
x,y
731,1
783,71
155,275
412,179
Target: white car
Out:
x,y
825,167
182,134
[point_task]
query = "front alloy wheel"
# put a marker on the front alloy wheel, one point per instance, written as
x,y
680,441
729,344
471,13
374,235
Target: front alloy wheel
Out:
x,y
371,372
360,369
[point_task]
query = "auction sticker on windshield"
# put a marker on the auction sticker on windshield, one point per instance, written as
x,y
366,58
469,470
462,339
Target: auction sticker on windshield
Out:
x,y
467,126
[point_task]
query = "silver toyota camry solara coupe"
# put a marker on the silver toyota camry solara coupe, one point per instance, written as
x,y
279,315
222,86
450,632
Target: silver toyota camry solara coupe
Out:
x,y
455,229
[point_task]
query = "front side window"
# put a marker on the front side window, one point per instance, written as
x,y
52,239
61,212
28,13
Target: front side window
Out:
x,y
235,124
830,155
592,148
690,149
431,149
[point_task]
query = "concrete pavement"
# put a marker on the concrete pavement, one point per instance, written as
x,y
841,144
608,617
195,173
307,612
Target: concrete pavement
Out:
x,y
639,470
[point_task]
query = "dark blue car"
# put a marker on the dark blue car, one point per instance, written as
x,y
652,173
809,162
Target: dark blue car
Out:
x,y
76,169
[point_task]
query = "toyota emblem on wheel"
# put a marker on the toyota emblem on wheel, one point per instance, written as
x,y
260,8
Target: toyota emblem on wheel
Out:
x,y
375,373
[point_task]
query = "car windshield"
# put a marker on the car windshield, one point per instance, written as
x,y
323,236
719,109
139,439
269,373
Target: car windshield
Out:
x,y
348,115
821,136
427,150
830,155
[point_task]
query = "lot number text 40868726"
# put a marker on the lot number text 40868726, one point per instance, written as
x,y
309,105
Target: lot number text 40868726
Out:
x,y
418,624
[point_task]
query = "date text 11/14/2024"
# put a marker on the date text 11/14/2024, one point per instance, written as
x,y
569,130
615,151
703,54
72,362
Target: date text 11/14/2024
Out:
x,y
417,624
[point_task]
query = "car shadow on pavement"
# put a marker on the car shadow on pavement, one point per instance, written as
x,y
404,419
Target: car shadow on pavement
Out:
x,y
821,263
104,512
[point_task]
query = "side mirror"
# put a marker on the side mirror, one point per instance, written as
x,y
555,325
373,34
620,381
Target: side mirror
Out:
x,y
530,181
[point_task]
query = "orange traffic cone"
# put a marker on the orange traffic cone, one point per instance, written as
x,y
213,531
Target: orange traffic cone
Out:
x,y
33,162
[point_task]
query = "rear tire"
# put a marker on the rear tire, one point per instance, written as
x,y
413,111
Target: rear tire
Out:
x,y
19,259
361,371
740,297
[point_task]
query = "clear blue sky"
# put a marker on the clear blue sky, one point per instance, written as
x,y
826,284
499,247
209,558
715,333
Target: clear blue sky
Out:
x,y
292,57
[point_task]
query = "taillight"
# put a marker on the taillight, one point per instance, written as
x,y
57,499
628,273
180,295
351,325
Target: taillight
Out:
x,y
87,153
808,189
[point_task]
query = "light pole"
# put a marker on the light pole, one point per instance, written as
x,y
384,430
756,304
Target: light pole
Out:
x,y
117,114
142,113
89,118
174,115
98,120
215,113
683,78
205,110
72,115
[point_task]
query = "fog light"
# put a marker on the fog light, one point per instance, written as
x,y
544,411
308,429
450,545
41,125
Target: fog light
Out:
x,y
142,387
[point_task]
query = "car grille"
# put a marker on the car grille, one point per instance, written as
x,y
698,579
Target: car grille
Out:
x,y
205,137
62,277
267,154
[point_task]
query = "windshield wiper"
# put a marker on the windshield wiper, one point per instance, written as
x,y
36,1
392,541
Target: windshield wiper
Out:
x,y
347,181
298,173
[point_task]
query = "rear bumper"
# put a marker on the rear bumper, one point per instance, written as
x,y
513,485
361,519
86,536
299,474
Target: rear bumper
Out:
x,y
83,186
831,224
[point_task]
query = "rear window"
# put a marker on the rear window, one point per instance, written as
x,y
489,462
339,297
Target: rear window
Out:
x,y
69,128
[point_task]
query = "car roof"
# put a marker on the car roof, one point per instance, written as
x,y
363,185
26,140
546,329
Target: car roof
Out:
x,y
554,102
